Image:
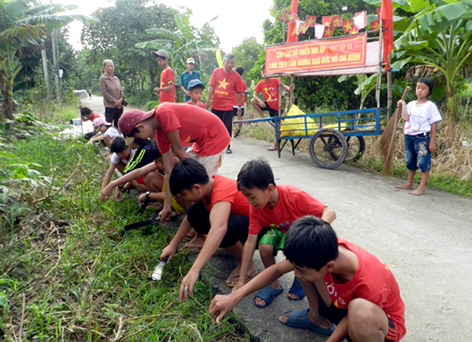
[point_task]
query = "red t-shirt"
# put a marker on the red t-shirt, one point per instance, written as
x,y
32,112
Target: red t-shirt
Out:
x,y
244,88
95,116
293,203
270,92
202,128
372,281
200,104
167,78
226,86
226,190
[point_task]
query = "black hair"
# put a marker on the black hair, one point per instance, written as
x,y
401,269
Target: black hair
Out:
x,y
118,144
311,242
85,111
239,70
132,132
186,174
255,174
155,152
141,142
428,81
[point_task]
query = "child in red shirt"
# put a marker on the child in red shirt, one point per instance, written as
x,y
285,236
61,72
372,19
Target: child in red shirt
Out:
x,y
345,285
275,207
219,210
195,89
269,88
224,84
174,125
166,90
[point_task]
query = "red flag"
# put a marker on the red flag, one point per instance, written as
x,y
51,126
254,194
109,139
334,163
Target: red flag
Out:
x,y
348,25
292,26
328,32
375,25
310,20
386,14
326,21
354,30
360,19
378,13
337,21
303,28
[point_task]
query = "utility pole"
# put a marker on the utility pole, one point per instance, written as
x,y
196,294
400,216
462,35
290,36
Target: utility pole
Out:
x,y
56,65
45,69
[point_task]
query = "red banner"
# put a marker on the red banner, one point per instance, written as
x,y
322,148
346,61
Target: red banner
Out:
x,y
312,55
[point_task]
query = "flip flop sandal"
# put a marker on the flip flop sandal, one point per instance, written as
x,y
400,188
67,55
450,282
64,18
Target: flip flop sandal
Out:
x,y
297,290
233,278
267,294
299,319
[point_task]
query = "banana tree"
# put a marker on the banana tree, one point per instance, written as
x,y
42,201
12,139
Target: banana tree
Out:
x,y
23,24
180,44
438,35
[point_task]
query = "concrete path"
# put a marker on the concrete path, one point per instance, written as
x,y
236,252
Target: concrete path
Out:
x,y
425,240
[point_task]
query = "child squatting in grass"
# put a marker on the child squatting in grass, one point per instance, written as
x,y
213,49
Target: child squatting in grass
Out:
x,y
351,293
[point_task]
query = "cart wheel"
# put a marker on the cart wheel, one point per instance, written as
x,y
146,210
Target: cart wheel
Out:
x,y
356,148
328,148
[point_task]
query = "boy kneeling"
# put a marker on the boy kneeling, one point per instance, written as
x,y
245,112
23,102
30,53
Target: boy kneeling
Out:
x,y
345,285
219,210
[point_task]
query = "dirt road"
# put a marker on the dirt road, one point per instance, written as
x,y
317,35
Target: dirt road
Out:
x,y
425,240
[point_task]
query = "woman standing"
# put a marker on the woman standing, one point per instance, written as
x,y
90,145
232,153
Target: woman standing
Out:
x,y
110,87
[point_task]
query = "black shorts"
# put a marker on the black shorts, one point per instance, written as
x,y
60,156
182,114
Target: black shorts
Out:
x,y
271,111
238,225
335,315
235,111
112,115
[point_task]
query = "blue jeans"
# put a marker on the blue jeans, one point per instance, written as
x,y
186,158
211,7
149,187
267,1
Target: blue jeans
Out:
x,y
417,152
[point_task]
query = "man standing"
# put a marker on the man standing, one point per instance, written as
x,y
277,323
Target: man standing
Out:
x,y
224,83
166,89
187,76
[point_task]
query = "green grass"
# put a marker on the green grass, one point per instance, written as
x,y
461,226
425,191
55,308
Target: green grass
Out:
x,y
67,271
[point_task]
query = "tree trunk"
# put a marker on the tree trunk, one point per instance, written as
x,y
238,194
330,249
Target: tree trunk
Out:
x,y
45,69
56,65
451,103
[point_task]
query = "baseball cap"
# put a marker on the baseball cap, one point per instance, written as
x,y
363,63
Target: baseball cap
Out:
x,y
131,118
195,83
190,60
99,122
162,53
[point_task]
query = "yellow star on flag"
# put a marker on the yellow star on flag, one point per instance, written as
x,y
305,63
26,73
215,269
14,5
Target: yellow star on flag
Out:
x,y
223,84
347,25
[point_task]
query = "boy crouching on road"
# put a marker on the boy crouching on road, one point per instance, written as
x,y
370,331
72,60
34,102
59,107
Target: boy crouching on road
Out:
x,y
219,210
348,286
273,207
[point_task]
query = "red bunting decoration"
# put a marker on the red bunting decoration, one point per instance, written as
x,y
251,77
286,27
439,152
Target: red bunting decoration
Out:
x,y
337,21
375,25
326,21
287,16
303,28
354,30
360,19
310,20
348,25
328,32
378,13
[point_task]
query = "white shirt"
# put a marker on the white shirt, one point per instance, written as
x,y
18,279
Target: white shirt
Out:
x,y
422,116
112,132
116,160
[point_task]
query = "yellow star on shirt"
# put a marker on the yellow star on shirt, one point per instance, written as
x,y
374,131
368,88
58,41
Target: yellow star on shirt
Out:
x,y
223,84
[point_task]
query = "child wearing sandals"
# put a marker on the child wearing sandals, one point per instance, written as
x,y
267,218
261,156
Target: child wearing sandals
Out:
x,y
219,210
351,293
275,207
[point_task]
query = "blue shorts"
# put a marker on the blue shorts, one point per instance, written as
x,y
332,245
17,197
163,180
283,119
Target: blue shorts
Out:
x,y
417,152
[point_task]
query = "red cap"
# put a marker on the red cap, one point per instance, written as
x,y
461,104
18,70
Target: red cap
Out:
x,y
132,117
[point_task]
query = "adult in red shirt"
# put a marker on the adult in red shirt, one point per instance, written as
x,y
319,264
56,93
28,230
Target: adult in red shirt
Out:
x,y
269,88
166,90
219,210
224,84
175,125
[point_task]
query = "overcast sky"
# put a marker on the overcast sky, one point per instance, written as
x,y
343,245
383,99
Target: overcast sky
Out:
x,y
235,23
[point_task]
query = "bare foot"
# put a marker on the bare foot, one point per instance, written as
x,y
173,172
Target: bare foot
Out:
x,y
404,186
319,320
274,147
417,192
